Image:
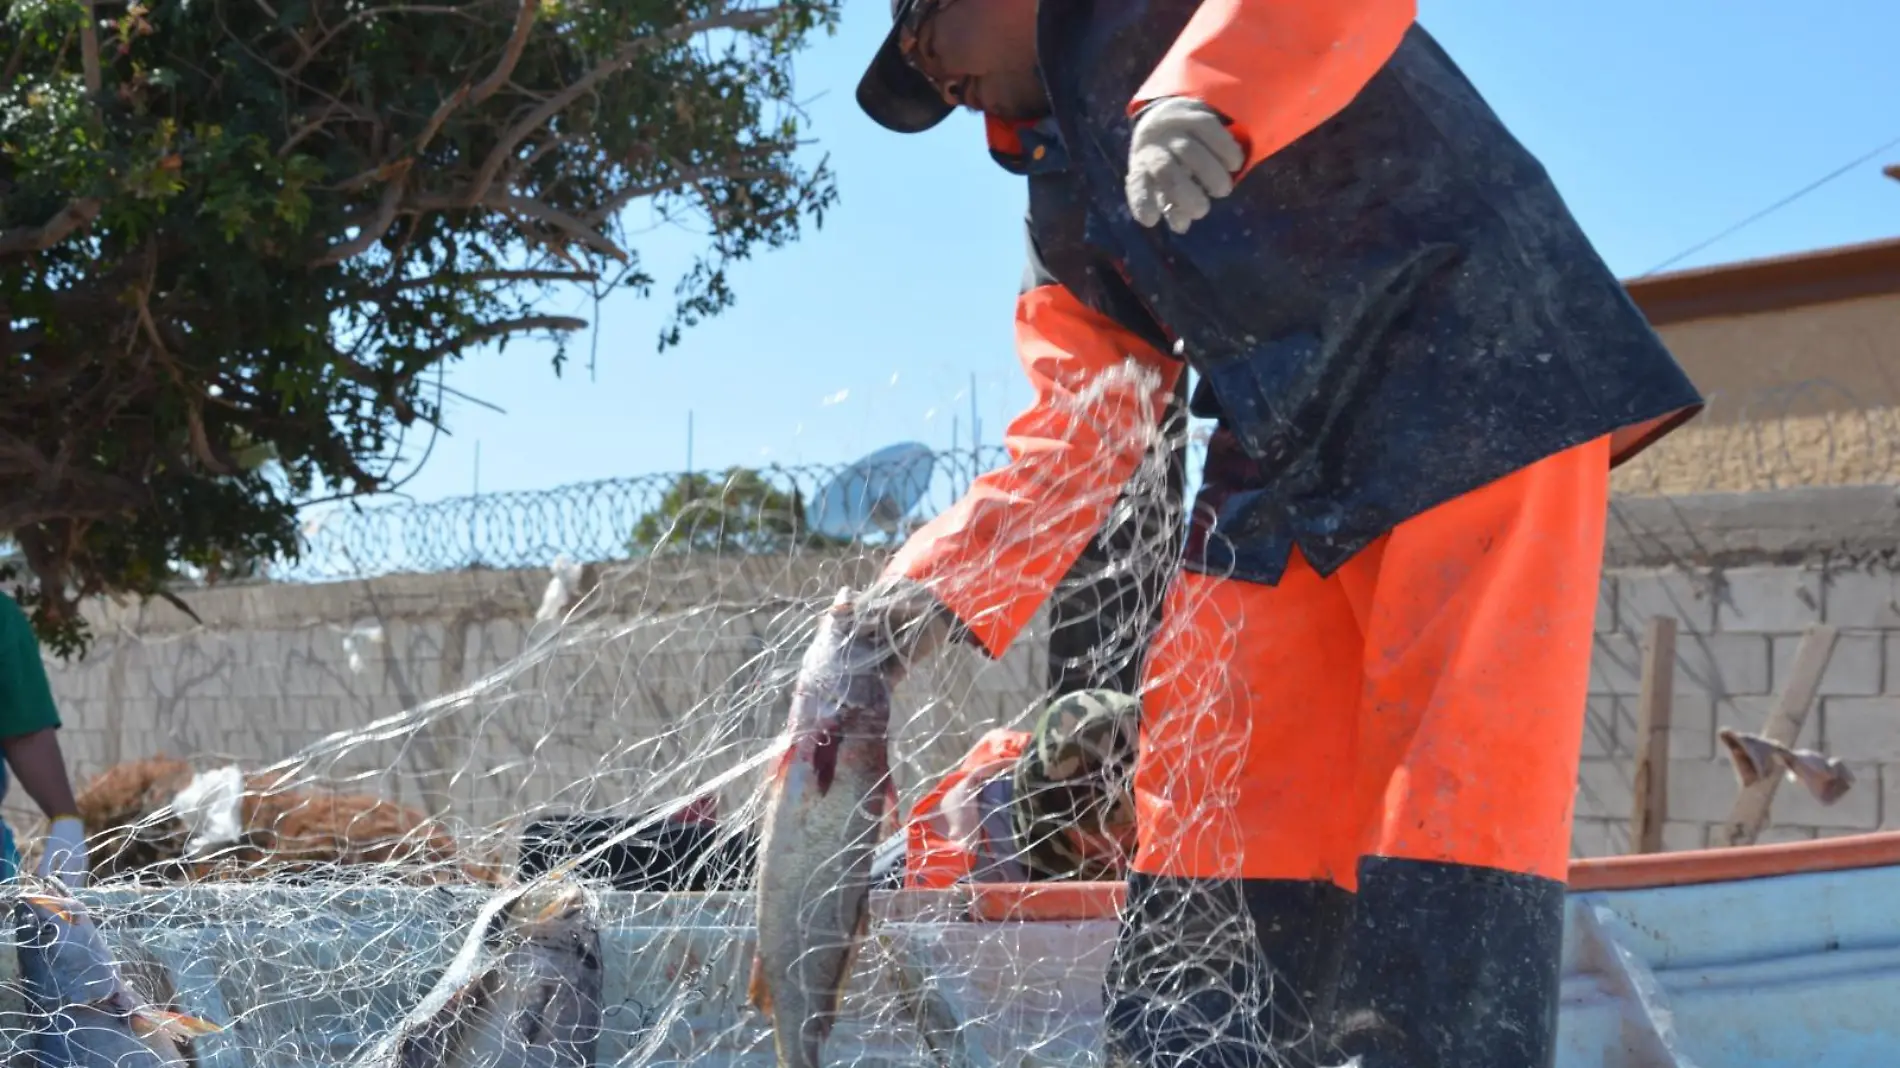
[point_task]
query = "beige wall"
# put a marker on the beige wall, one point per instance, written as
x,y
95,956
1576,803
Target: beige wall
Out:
x,y
1837,357
1803,397
668,681
671,675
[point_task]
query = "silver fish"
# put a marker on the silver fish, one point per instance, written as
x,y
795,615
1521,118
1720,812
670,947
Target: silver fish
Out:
x,y
827,797
1756,757
94,1018
524,991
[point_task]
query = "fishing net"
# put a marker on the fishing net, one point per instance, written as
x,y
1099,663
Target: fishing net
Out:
x,y
623,711
305,824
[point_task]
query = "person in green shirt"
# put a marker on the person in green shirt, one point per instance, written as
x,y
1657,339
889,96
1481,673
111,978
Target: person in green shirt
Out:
x,y
29,736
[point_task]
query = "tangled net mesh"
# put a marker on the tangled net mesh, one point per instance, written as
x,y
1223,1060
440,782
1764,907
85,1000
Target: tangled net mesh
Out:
x,y
309,906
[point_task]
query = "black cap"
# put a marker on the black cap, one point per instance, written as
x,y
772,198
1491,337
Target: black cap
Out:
x,y
895,94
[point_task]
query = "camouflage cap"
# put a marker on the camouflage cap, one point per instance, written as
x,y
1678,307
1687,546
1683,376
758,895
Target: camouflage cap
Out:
x,y
1075,770
1079,735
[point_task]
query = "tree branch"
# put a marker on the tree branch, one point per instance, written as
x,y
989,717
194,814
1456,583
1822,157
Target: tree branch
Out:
x,y
442,113
504,148
560,220
690,176
20,239
89,51
311,50
378,225
298,135
542,149
57,492
533,209
500,276
194,414
524,22
499,328
201,441
366,377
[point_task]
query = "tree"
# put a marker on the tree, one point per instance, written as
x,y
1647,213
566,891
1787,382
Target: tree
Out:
x,y
737,512
240,229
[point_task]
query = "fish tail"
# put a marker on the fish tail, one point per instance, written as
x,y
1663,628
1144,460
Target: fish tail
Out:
x,y
173,1025
758,991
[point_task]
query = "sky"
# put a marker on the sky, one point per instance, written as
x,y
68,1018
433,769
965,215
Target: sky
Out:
x,y
1662,123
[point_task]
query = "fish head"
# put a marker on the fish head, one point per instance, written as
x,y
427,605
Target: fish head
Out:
x,y
555,912
549,970
49,896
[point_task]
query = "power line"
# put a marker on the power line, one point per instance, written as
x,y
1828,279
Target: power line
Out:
x,y
1776,206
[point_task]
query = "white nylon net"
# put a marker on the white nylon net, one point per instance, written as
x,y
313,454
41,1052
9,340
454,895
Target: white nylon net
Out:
x,y
308,889
310,906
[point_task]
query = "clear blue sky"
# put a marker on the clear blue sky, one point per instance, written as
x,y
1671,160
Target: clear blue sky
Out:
x,y
1663,122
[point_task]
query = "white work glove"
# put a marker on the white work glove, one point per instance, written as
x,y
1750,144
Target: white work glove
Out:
x,y
63,854
1180,160
896,624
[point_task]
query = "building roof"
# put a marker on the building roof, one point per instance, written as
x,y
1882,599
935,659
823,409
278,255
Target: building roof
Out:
x,y
1776,283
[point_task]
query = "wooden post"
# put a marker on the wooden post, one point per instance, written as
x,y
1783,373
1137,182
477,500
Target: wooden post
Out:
x,y
1649,806
1750,813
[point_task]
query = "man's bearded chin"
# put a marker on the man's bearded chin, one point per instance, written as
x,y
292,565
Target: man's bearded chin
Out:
x,y
1017,112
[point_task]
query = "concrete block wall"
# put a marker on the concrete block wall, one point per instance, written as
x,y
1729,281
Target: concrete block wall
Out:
x,y
665,679
653,688
1738,632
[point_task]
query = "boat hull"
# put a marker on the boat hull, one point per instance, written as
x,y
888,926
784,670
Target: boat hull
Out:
x,y
1746,958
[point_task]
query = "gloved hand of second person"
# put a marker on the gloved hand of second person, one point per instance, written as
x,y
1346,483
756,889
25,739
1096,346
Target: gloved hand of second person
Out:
x,y
1181,158
63,854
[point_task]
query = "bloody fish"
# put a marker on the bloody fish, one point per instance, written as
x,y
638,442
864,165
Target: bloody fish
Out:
x,y
827,798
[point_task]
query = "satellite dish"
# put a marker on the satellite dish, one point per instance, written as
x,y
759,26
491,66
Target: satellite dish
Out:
x,y
877,492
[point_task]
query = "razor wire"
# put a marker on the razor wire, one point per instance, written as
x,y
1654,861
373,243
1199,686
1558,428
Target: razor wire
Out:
x,y
312,806
1811,433
748,510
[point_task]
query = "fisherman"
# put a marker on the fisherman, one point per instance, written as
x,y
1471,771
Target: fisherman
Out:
x,y
29,736
1363,711
1049,803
